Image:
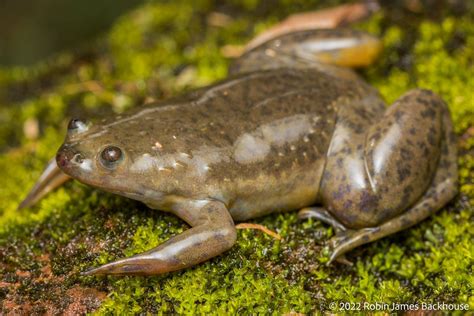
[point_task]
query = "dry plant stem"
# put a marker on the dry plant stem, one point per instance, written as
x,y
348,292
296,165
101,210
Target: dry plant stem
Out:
x,y
259,227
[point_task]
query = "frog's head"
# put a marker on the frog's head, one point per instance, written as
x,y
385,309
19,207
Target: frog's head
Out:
x,y
101,156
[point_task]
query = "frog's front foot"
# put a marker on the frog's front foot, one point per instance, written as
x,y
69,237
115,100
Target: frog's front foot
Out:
x,y
212,232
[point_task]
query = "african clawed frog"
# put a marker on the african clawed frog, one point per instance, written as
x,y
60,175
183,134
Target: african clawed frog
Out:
x,y
292,128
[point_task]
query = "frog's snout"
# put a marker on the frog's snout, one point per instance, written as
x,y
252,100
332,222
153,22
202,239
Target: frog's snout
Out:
x,y
63,157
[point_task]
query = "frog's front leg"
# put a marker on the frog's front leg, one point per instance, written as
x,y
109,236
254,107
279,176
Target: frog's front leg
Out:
x,y
412,147
212,232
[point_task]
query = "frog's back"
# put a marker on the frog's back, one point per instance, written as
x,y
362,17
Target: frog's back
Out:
x,y
257,141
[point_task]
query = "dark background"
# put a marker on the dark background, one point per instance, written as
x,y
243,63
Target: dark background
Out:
x,y
32,30
35,29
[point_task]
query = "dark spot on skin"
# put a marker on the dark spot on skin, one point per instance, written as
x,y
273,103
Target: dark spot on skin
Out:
x,y
412,131
431,139
375,136
444,149
347,204
327,175
129,268
452,137
339,194
403,173
359,147
422,101
406,154
359,129
339,162
348,218
406,222
428,113
444,164
407,189
398,115
365,238
347,150
368,202
405,200
404,99
363,113
426,152
385,214
348,188
435,103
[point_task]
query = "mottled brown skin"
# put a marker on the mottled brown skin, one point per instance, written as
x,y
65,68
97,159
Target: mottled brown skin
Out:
x,y
289,130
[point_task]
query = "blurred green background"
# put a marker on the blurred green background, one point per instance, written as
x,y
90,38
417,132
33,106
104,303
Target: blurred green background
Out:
x,y
89,59
33,30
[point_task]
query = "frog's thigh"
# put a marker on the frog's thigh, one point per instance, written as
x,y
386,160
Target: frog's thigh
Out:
x,y
442,189
212,233
395,167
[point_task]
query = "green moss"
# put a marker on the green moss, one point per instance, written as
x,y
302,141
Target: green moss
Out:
x,y
161,49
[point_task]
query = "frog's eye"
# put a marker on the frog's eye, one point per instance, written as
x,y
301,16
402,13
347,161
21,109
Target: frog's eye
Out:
x,y
110,156
77,126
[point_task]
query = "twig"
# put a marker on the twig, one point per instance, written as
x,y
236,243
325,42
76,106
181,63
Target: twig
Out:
x,y
259,227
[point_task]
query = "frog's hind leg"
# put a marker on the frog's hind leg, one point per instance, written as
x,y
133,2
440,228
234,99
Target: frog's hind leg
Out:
x,y
323,215
443,187
328,50
321,19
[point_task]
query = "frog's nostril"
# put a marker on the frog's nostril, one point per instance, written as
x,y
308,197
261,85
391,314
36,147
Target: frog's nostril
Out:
x,y
63,158
78,158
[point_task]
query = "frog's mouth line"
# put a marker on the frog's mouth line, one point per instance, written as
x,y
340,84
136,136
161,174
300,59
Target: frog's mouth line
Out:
x,y
74,165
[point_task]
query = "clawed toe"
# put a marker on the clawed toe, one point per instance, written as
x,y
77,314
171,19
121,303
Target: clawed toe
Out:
x,y
345,241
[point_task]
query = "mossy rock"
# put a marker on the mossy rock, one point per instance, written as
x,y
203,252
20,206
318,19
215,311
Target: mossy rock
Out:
x,y
156,51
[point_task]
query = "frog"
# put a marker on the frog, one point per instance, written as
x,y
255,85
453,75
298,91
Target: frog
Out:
x,y
292,128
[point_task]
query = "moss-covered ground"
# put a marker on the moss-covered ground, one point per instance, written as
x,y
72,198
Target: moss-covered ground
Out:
x,y
166,47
